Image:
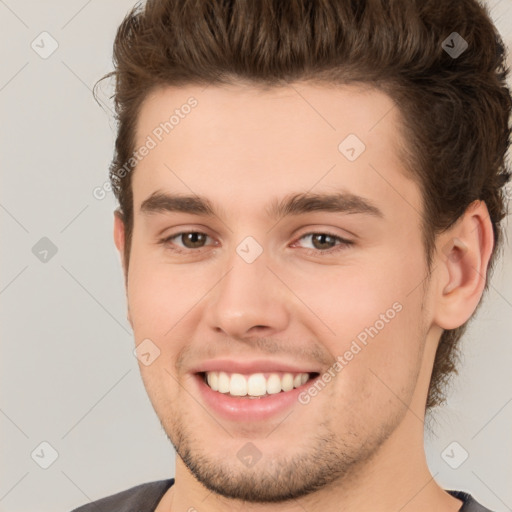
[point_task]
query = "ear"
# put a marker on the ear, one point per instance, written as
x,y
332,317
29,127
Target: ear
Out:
x,y
463,254
119,236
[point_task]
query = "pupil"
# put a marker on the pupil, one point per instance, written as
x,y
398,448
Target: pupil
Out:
x,y
326,240
193,240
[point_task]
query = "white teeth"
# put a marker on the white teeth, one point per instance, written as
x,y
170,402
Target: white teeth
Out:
x,y
223,382
213,380
287,382
238,385
256,384
273,384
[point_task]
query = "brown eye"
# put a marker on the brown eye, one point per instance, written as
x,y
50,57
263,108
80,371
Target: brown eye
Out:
x,y
323,241
187,242
193,240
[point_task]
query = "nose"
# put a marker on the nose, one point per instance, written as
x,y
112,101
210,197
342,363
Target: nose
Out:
x,y
249,300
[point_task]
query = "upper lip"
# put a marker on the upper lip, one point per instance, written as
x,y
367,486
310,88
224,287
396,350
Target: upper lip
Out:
x,y
253,366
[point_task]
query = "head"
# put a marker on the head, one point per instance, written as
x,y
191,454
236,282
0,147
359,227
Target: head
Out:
x,y
273,91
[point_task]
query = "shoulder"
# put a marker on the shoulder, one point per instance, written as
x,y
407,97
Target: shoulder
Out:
x,y
141,498
469,503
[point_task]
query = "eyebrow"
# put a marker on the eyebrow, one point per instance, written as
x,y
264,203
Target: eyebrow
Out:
x,y
296,204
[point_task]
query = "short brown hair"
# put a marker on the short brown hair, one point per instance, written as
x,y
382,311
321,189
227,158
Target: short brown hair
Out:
x,y
455,108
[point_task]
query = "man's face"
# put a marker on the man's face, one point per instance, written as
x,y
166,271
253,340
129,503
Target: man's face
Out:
x,y
266,291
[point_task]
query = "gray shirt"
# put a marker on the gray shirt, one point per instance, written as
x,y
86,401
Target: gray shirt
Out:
x,y
145,498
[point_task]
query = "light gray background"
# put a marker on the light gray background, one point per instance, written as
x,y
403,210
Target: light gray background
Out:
x,y
68,374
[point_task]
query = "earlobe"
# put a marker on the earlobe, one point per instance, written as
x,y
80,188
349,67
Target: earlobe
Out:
x,y
463,261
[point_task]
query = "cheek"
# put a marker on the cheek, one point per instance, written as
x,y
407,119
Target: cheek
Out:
x,y
159,294
376,372
375,318
369,293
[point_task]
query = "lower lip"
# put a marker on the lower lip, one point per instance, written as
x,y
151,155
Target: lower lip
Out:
x,y
249,409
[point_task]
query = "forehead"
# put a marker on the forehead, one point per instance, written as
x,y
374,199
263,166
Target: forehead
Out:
x,y
241,142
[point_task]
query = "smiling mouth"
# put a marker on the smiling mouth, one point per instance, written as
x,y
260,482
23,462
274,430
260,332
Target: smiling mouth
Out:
x,y
255,385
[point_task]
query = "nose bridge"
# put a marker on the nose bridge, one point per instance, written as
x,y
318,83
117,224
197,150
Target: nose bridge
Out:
x,y
249,295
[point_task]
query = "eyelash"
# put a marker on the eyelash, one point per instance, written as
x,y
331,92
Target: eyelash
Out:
x,y
343,245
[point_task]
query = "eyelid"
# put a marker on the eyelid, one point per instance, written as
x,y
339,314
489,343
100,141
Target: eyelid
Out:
x,y
326,230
